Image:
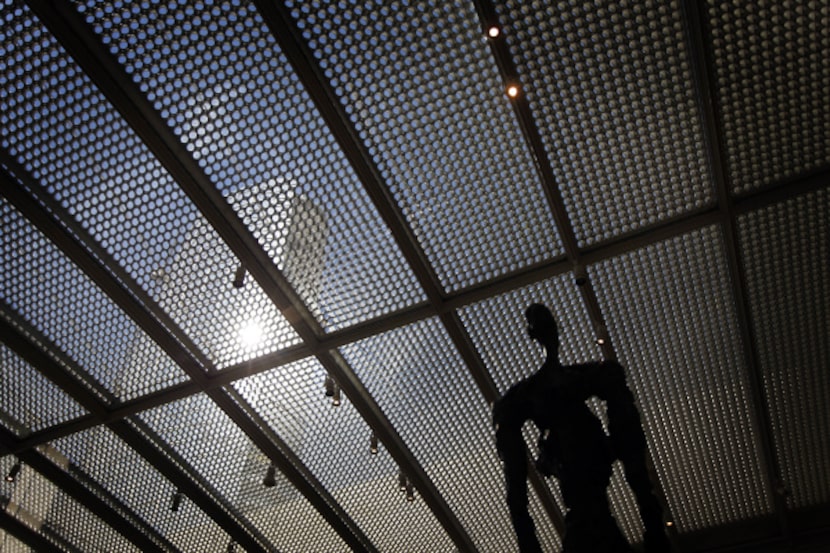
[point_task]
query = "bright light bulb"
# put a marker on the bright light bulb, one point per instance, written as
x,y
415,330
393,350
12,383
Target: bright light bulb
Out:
x,y
493,32
513,91
251,334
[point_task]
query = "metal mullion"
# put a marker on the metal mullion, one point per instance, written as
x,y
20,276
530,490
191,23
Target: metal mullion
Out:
x,y
319,89
124,292
52,369
111,78
694,15
112,512
238,409
23,533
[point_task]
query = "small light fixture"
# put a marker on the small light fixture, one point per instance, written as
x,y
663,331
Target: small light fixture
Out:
x,y
15,470
373,444
177,501
335,400
329,386
239,277
402,481
602,335
580,275
493,31
669,524
270,479
410,491
513,90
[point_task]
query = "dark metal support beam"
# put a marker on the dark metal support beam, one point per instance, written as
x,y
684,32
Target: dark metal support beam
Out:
x,y
285,30
112,511
53,370
24,534
694,15
102,67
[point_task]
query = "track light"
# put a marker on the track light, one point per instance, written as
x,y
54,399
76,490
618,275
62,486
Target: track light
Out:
x,y
602,335
177,501
402,481
513,90
410,491
373,444
15,470
270,479
493,31
239,277
335,400
580,275
329,386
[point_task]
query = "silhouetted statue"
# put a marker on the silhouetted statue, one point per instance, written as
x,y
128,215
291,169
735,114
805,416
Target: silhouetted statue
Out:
x,y
574,448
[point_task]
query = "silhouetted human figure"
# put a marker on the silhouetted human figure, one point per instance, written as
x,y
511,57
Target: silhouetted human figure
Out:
x,y
574,448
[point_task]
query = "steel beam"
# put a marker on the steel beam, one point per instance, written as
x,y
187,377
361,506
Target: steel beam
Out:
x,y
114,513
24,534
49,367
694,16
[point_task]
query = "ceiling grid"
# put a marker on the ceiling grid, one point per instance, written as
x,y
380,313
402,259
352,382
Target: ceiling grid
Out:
x,y
210,208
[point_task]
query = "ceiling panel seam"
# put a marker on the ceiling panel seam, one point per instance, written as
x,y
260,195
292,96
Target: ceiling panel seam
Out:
x,y
694,17
43,358
114,513
67,26
319,88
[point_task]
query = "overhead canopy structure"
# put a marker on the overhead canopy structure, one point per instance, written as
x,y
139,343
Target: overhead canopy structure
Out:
x,y
221,218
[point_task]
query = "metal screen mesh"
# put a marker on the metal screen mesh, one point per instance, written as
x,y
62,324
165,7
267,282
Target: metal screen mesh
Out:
x,y
229,463
30,402
333,442
610,87
54,295
785,249
672,318
772,78
432,112
219,79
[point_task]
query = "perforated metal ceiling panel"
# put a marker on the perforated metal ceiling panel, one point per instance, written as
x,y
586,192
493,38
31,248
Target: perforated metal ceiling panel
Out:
x,y
672,318
133,481
46,289
772,81
59,126
785,250
242,113
424,95
45,508
423,387
30,401
208,443
260,194
610,87
334,443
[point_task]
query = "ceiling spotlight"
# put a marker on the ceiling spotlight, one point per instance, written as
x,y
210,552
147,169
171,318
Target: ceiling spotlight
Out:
x,y
373,444
15,470
239,277
177,501
669,524
580,275
493,31
602,335
410,491
513,91
402,481
335,400
270,479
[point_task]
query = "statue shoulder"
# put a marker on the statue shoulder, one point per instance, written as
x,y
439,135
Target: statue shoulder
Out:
x,y
512,405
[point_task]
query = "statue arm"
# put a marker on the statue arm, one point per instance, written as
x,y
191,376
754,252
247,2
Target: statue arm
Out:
x,y
508,418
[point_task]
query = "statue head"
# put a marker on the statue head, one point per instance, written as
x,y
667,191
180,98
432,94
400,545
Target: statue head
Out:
x,y
541,326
